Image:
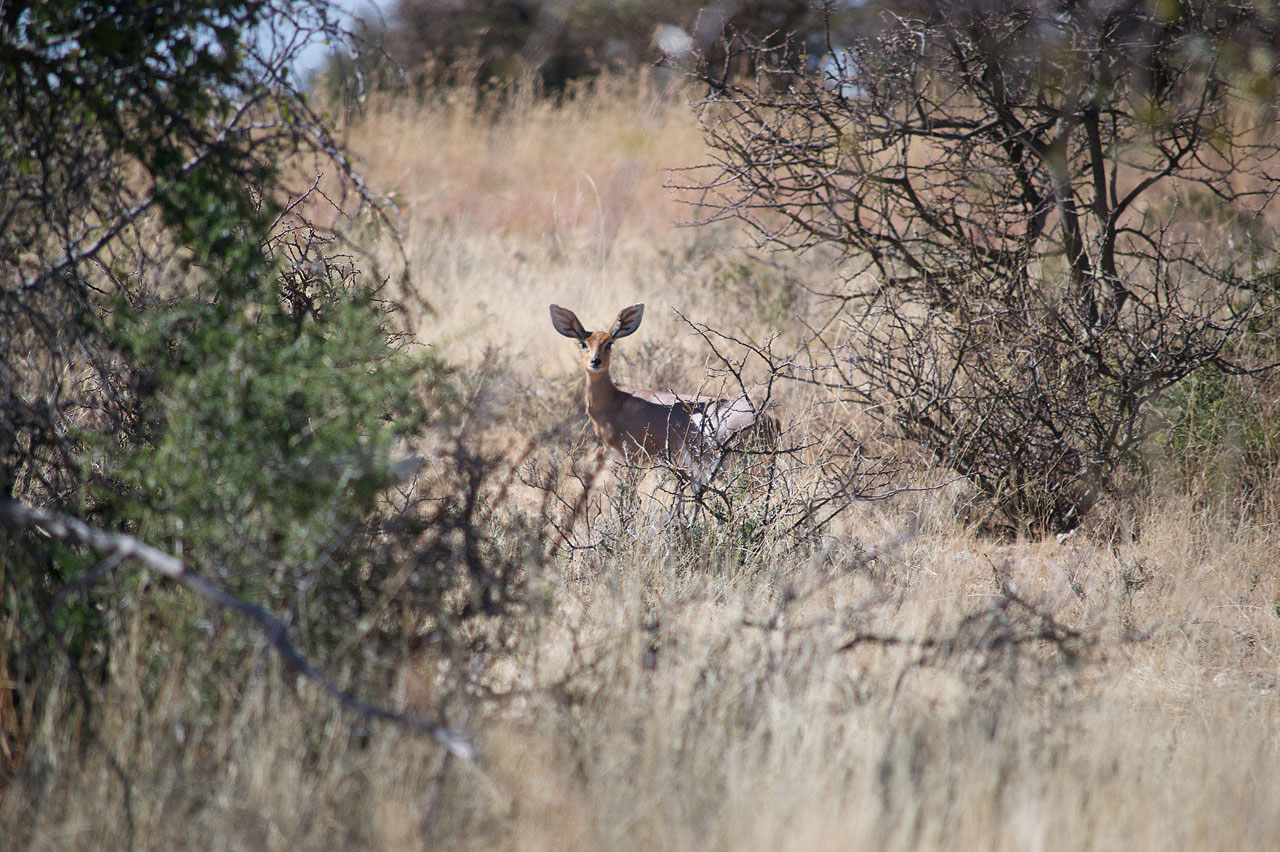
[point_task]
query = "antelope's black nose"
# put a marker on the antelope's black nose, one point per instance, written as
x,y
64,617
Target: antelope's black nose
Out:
x,y
595,362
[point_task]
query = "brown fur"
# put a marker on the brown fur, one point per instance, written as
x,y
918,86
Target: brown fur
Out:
x,y
679,429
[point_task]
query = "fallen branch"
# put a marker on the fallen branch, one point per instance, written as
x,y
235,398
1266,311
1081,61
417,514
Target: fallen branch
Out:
x,y
119,547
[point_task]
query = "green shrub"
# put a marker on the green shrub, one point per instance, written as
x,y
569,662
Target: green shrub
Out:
x,y
1223,435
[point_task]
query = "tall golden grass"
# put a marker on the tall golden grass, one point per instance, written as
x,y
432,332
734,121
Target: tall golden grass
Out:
x,y
881,688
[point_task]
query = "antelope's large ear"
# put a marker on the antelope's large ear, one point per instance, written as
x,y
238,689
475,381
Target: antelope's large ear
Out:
x,y
628,321
566,322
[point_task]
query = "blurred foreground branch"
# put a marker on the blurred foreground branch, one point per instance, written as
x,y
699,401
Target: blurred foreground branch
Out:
x,y
119,547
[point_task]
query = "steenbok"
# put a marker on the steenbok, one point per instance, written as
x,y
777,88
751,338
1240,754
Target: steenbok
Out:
x,y
692,433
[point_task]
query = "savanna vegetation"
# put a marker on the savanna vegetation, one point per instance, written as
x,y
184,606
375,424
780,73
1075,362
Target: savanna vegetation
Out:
x,y
306,542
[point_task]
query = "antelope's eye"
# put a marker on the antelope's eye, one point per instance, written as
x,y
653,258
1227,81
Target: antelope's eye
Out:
x,y
609,345
582,343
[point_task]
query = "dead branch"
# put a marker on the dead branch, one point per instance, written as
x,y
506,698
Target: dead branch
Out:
x,y
1031,256
119,547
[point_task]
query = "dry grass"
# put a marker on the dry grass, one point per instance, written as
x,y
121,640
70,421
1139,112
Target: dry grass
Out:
x,y
672,694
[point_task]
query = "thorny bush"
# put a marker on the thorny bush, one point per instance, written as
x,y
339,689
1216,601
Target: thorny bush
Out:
x,y
1050,213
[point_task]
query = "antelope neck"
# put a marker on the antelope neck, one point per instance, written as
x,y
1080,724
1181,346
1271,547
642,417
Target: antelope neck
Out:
x,y
601,391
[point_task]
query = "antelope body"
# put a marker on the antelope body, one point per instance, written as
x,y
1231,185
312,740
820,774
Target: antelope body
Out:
x,y
690,432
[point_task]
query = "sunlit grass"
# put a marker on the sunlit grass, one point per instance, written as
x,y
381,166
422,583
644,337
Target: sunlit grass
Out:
x,y
666,692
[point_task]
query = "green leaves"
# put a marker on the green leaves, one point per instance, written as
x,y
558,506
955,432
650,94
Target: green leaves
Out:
x,y
201,380
275,436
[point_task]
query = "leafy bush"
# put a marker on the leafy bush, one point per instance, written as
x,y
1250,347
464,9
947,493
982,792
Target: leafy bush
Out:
x,y
190,361
1223,436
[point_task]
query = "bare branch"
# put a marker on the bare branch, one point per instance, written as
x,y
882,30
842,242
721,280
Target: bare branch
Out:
x,y
21,518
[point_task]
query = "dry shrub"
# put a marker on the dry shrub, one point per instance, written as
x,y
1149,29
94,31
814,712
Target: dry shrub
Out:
x,y
1056,215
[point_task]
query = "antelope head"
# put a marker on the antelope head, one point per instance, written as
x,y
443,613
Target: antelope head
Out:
x,y
596,346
